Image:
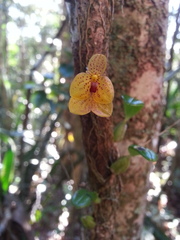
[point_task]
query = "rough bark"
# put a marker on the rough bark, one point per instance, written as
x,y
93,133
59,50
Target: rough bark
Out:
x,y
136,55
90,26
137,49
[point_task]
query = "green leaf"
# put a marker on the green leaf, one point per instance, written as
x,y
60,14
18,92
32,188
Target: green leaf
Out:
x,y
83,198
121,165
119,131
131,106
145,152
7,171
88,221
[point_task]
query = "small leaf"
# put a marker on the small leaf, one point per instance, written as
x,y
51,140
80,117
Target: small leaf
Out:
x,y
88,222
121,165
119,131
131,106
83,198
145,152
7,171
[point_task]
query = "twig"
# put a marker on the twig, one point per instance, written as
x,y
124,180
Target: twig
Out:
x,y
161,133
171,59
4,222
174,39
27,109
48,135
28,94
171,74
31,169
58,35
122,7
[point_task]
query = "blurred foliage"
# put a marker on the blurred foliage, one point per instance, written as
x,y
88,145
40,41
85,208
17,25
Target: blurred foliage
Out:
x,y
35,70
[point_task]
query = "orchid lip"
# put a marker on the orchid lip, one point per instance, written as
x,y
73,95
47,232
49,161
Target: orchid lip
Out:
x,y
93,87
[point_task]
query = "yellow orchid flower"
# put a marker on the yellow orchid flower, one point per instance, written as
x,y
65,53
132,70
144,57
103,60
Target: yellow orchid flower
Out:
x,y
92,91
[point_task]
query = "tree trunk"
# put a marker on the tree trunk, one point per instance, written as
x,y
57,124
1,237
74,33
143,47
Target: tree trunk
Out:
x,y
136,56
90,26
137,49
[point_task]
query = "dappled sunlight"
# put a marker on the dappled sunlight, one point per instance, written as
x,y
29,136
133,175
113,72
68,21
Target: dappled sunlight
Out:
x,y
62,80
169,148
34,161
58,43
13,189
156,186
52,151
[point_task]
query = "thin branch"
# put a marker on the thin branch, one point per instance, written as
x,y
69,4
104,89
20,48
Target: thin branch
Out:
x,y
28,94
171,74
58,35
31,169
6,217
161,133
174,39
170,62
48,135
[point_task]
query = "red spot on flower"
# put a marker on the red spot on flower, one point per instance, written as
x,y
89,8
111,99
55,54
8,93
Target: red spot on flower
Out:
x,y
93,87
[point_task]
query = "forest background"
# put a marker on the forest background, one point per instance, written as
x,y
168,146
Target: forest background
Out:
x,y
42,158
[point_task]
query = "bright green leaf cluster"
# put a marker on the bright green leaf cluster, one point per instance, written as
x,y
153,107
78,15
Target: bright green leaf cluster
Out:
x,y
131,107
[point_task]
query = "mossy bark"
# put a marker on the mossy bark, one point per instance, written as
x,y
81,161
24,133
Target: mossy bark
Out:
x,y
90,27
134,34
137,50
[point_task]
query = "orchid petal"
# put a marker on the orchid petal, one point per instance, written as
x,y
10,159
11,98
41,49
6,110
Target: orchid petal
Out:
x,y
80,86
105,91
97,64
102,110
80,107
